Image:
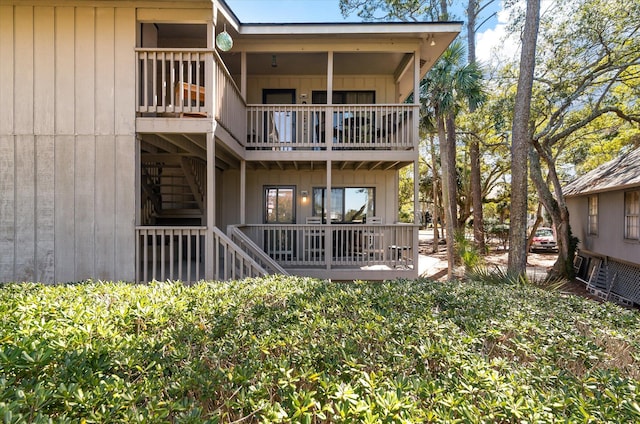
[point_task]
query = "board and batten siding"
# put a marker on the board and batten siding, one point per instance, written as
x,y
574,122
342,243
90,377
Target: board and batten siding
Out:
x,y
385,183
67,143
609,241
383,86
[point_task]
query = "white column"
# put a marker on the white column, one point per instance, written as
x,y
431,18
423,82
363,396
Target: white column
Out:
x,y
328,236
210,252
243,191
243,75
328,122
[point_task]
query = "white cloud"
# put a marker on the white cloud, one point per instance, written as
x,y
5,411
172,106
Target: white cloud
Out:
x,y
496,44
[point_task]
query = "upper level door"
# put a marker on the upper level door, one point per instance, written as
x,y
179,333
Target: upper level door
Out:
x,y
280,126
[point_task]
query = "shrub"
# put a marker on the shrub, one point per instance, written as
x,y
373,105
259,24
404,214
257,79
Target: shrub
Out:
x,y
285,349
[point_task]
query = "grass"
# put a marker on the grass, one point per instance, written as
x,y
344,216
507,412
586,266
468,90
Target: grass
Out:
x,y
285,349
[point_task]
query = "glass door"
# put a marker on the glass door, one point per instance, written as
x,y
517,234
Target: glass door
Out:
x,y
280,208
280,124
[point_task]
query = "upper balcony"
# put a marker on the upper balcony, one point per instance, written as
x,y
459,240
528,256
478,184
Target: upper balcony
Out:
x,y
194,83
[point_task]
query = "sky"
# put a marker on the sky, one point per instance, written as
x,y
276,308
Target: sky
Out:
x,y
489,37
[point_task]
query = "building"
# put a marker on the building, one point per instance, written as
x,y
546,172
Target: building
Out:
x,y
604,209
133,148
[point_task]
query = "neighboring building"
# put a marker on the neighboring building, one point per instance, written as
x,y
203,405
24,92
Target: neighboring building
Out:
x,y
131,148
604,208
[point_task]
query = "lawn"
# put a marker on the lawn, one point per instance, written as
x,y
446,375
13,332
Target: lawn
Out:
x,y
285,349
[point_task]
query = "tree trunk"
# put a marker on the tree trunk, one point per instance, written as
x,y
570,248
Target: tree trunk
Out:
x,y
474,146
447,199
563,267
436,212
535,225
452,174
517,262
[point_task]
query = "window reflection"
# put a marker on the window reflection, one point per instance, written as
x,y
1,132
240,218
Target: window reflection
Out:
x,y
348,204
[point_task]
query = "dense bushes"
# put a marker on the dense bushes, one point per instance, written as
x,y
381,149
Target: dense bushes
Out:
x,y
299,350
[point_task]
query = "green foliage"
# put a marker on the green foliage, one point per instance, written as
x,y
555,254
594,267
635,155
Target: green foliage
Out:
x,y
501,232
285,349
467,251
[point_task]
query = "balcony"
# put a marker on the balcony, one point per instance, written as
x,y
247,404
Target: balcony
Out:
x,y
337,246
349,127
194,83
188,83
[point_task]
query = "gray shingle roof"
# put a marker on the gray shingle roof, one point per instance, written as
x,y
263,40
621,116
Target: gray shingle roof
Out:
x,y
619,173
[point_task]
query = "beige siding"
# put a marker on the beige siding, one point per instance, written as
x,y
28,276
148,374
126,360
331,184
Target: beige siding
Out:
x,y
383,86
6,72
25,204
67,143
383,181
610,239
7,206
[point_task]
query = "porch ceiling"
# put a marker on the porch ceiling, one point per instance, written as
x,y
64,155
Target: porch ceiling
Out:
x,y
366,63
169,147
353,165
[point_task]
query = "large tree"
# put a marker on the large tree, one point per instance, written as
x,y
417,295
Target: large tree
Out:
x,y
521,134
474,10
393,10
449,83
589,72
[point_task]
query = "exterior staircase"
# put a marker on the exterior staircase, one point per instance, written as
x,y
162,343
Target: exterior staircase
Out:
x,y
173,192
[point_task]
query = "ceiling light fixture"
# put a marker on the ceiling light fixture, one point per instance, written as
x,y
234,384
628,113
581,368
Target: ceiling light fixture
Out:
x,y
433,41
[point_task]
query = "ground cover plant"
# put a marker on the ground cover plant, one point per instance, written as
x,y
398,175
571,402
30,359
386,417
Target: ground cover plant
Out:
x,y
285,349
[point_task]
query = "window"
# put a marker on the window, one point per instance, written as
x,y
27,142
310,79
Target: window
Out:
x,y
593,215
348,204
279,205
632,215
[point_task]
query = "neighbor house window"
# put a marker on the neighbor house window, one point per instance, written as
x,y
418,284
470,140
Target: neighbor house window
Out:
x,y
593,215
632,215
348,204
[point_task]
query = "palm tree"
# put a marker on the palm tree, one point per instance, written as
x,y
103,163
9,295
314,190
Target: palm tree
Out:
x,y
446,86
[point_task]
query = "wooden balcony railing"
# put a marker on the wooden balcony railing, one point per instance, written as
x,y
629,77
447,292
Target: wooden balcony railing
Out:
x,y
343,245
350,127
180,253
180,82
173,81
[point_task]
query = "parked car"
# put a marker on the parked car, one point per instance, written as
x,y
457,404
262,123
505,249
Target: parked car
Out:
x,y
544,239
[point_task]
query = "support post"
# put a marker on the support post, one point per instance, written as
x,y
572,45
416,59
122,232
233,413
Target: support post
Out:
x,y
243,74
243,191
210,252
328,236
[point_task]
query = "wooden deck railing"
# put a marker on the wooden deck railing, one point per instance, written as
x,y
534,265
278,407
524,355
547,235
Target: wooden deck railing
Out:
x,y
179,82
179,253
170,253
350,127
173,80
230,104
356,245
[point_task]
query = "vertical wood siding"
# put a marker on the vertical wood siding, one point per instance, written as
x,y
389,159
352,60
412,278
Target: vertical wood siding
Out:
x,y
67,143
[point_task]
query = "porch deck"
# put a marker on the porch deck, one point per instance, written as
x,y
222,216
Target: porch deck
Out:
x,y
339,252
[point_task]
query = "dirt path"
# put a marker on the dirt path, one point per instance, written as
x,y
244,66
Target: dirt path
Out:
x,y
433,266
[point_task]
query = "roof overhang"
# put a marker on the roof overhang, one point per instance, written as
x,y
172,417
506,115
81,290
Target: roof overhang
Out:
x,y
398,40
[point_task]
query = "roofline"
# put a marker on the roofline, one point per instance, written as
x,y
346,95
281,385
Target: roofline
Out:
x,y
604,190
345,27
